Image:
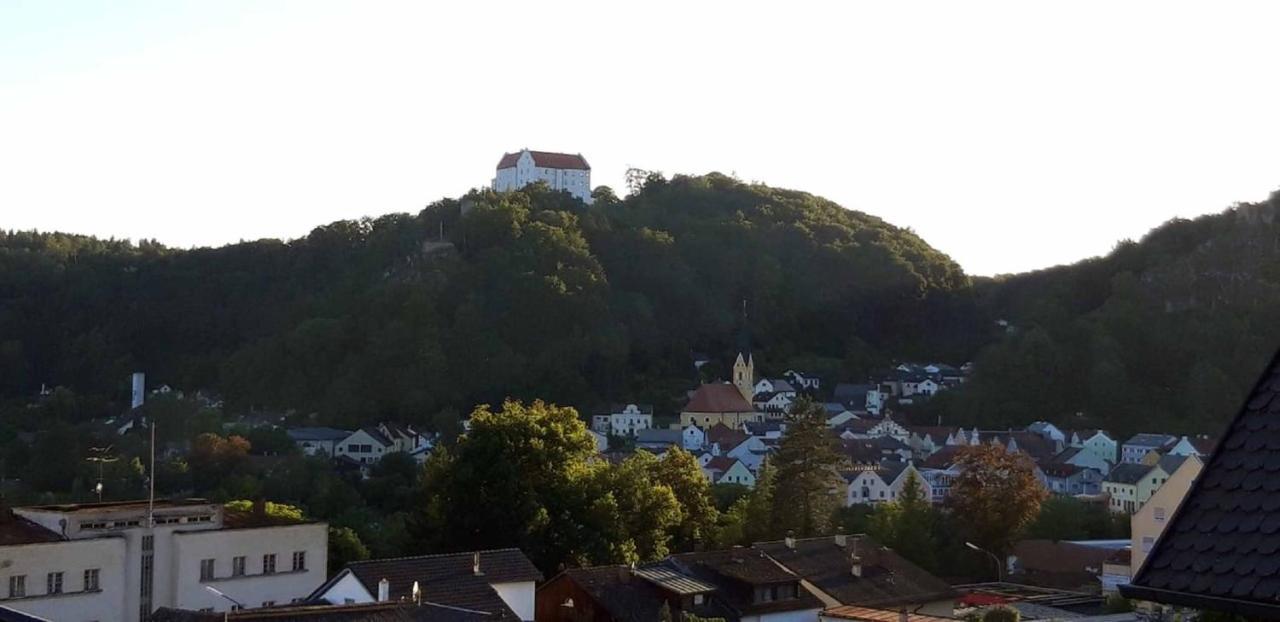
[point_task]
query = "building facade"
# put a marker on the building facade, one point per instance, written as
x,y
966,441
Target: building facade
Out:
x,y
120,561
560,171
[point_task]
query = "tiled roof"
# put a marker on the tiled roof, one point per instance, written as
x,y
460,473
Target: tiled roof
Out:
x,y
547,159
736,571
664,575
1060,469
18,530
943,458
1221,549
1154,441
727,437
637,595
447,579
1128,473
718,398
721,463
366,612
887,579
867,614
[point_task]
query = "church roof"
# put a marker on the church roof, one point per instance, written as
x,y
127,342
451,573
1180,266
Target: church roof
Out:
x,y
718,398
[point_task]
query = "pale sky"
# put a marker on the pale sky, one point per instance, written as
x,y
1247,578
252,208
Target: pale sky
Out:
x,y
1010,135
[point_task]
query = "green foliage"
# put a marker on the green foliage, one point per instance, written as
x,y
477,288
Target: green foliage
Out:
x,y
807,491
907,525
1116,603
995,496
1001,614
1067,518
344,547
278,511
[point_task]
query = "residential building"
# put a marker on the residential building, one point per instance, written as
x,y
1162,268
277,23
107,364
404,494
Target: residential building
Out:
x,y
774,385
1084,459
1098,444
1150,520
364,446
693,438
1048,431
1139,445
881,484
754,586
1116,571
122,560
560,171
1068,479
318,441
659,440
857,570
1218,550
499,582
727,470
1199,445
719,403
624,420
1130,485
802,380
860,397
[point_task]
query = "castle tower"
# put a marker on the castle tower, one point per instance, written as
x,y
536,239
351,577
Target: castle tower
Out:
x,y
744,366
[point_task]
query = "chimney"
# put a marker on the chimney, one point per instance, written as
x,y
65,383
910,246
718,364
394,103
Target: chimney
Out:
x,y
790,540
384,591
475,564
842,540
855,565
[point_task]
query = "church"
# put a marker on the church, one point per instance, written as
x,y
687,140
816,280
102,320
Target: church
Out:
x,y
727,403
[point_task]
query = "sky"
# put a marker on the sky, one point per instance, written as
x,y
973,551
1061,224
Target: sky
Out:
x,y
1009,135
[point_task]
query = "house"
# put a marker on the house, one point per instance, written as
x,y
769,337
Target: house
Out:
x,y
625,594
880,484
925,440
318,441
1218,551
1057,564
1078,456
693,438
734,585
560,171
121,561
774,385
659,440
1048,431
860,397
1115,571
499,582
803,381
1129,485
862,451
1199,445
1069,480
397,611
937,482
890,428
1096,443
1139,445
1146,525
402,438
858,571
364,446
768,430
838,414
718,403
624,420
727,470
774,403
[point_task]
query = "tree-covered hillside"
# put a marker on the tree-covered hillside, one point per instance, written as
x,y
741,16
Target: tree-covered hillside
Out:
x,y
1163,334
533,296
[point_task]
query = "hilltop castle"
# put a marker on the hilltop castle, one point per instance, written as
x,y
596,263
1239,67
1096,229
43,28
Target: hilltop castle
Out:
x,y
560,171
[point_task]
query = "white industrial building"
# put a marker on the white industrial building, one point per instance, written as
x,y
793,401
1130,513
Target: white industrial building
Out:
x,y
119,561
560,171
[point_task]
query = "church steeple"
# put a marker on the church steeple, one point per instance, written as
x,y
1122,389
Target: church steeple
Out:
x,y
744,366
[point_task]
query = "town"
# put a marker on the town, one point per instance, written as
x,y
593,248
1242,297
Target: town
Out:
x,y
779,494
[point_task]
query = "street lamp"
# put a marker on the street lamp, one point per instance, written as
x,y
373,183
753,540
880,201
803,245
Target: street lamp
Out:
x,y
222,594
999,565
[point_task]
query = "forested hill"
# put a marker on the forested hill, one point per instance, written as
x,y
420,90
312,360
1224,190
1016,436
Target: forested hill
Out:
x,y
1163,334
527,294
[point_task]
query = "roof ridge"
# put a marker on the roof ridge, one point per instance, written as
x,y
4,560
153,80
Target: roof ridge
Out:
x,y
432,555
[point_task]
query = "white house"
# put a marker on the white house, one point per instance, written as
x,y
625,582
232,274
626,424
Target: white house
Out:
x,y
774,385
774,402
1048,431
727,470
560,171
120,561
1097,443
494,582
318,441
802,380
889,427
365,446
624,420
692,438
1139,445
880,485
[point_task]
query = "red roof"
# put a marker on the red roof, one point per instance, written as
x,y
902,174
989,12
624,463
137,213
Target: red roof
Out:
x,y
867,614
547,159
727,437
718,398
721,463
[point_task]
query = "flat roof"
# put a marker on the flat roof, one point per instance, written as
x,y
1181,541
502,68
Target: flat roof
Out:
x,y
113,505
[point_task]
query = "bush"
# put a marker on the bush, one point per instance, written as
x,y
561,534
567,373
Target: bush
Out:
x,y
1001,614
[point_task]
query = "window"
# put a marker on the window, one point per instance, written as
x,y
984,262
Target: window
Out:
x,y
269,563
53,583
18,586
1158,514
206,569
91,580
237,566
1147,542
268,603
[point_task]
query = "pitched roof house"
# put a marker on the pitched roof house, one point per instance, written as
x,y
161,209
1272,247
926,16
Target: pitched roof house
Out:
x,y
499,582
1221,548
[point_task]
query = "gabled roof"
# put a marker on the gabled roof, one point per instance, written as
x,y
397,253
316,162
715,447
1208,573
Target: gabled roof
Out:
x,y
727,437
446,579
645,409
736,572
659,436
299,435
1170,463
635,595
376,435
547,159
1154,441
943,458
781,385
718,398
1221,548
18,530
1128,473
887,579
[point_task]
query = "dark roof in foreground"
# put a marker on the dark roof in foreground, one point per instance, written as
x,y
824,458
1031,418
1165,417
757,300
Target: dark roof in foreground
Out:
x,y
18,530
13,615
369,612
447,579
631,596
736,572
887,579
1221,549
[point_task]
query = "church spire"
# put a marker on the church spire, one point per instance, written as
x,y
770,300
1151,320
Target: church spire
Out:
x,y
744,366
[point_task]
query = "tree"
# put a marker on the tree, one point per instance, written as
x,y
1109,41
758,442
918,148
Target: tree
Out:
x,y
214,458
1001,614
907,525
344,547
517,478
806,493
679,470
995,496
